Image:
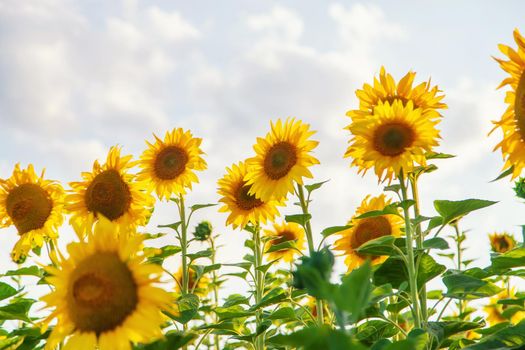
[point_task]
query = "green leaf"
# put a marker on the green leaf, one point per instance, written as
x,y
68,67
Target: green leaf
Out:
x,y
374,330
334,229
463,286
201,254
355,292
437,155
236,299
286,245
444,330
393,271
165,252
435,243
385,245
6,291
171,341
504,174
300,219
507,338
315,186
235,311
196,207
315,338
453,210
174,226
274,296
391,209
188,306
17,310
510,259
26,271
282,314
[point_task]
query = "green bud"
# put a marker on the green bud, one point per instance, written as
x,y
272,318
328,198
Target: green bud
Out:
x,y
203,231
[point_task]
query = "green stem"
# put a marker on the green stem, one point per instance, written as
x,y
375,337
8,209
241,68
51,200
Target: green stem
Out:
x,y
419,245
259,286
184,251
459,257
412,275
309,236
184,245
215,291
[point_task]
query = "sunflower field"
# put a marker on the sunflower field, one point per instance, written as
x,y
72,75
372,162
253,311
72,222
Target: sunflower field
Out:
x,y
406,286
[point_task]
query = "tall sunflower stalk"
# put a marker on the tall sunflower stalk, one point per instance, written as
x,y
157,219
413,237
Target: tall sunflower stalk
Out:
x,y
309,237
259,285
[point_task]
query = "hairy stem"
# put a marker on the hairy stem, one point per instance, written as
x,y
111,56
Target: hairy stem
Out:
x,y
419,245
412,274
309,236
259,286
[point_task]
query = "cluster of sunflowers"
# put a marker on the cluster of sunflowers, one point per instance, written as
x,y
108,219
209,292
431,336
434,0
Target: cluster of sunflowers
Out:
x,y
109,291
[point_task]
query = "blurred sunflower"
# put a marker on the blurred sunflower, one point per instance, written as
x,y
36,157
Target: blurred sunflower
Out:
x,y
243,207
282,158
498,313
502,242
393,138
34,206
512,122
198,287
111,192
104,294
385,89
288,231
367,229
170,164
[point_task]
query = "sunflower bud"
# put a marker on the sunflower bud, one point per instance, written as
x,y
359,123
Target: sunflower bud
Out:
x,y
203,231
519,188
502,242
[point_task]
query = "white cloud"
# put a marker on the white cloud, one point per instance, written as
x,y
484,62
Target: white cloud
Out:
x,y
281,23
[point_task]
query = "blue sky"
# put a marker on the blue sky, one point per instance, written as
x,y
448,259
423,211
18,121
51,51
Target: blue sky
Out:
x,y
77,77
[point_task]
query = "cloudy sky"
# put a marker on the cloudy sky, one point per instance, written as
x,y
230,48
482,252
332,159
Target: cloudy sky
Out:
x,y
77,77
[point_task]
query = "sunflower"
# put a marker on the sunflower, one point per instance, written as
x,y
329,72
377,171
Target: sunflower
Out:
x,y
110,191
498,313
284,233
198,287
385,89
243,207
393,138
282,158
364,230
34,206
104,295
170,164
502,242
512,122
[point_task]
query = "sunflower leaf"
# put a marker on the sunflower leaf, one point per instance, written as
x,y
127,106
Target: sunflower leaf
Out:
x,y
196,207
334,229
504,174
453,210
315,186
300,219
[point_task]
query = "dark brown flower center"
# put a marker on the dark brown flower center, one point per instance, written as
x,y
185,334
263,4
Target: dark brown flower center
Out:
x,y
245,200
369,229
28,206
284,236
102,293
393,139
108,195
519,106
279,160
170,162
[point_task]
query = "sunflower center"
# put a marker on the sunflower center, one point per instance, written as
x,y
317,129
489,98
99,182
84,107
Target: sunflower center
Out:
x,y
284,236
102,293
170,162
245,200
28,206
393,139
519,106
369,229
108,194
280,159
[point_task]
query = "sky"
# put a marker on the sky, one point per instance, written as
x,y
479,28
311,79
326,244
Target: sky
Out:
x,y
77,77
